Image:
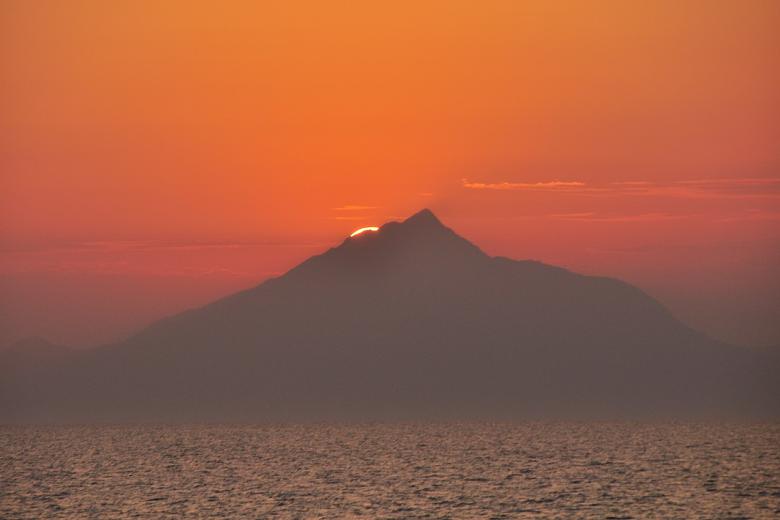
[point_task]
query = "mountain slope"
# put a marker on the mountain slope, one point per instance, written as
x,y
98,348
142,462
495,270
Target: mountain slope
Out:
x,y
412,319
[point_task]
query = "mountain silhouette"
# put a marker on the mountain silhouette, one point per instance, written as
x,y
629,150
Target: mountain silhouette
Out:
x,y
31,352
410,320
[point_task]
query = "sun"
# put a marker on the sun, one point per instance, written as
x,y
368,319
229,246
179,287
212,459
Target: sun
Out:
x,y
363,230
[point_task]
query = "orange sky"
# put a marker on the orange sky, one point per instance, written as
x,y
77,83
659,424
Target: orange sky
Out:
x,y
155,155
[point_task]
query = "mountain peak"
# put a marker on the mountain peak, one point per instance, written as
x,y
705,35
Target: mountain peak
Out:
x,y
423,217
420,242
422,223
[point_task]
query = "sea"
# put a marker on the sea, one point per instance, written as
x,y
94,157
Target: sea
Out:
x,y
605,470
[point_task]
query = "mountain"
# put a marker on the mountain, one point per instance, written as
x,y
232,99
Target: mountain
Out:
x,y
411,320
31,352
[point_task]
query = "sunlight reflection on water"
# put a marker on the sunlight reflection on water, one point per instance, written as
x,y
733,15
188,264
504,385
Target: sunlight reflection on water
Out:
x,y
392,471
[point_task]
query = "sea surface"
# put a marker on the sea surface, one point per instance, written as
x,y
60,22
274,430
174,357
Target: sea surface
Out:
x,y
444,470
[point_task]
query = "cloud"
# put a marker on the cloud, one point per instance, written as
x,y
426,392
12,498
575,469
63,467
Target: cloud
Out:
x,y
753,215
641,217
129,246
572,216
734,188
354,207
739,188
547,185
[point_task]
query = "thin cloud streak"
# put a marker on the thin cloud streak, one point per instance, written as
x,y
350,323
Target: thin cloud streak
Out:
x,y
642,217
738,188
547,185
100,267
108,246
354,207
756,216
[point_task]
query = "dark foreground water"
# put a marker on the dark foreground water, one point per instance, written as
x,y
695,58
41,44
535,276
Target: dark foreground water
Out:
x,y
392,471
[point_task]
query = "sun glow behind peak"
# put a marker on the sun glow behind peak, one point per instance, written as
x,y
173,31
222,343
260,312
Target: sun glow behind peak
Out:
x,y
363,230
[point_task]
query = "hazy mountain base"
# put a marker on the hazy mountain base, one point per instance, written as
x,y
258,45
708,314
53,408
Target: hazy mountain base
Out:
x,y
411,321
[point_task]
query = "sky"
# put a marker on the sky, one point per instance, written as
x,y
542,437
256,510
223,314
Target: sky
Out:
x,y
155,156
